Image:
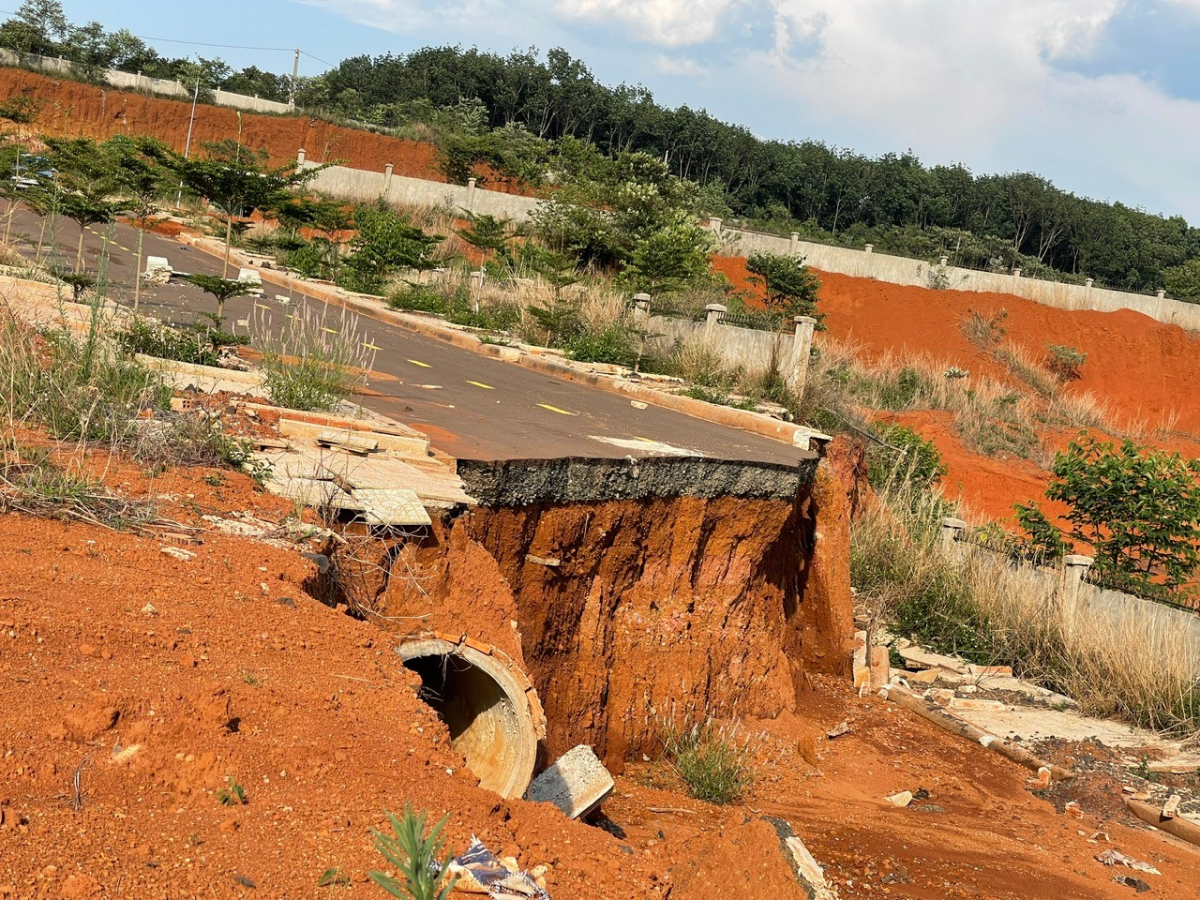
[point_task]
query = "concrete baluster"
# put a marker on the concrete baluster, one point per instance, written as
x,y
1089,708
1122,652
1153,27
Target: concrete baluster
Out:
x,y
716,313
797,374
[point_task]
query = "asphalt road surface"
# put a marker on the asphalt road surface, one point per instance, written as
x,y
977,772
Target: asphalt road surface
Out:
x,y
471,406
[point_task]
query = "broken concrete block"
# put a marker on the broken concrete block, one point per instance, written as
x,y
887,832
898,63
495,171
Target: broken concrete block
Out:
x,y
925,659
158,270
577,783
962,703
927,676
901,799
251,277
990,671
881,671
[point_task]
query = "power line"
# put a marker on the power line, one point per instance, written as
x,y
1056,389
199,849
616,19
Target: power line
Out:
x,y
323,62
220,46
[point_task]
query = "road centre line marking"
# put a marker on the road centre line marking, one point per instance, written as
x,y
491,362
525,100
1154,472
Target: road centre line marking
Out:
x,y
555,409
480,384
417,362
330,330
371,346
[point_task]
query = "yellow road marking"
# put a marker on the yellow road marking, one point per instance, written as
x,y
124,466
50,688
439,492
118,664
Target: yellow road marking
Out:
x,y
417,362
371,346
330,330
555,409
648,440
480,384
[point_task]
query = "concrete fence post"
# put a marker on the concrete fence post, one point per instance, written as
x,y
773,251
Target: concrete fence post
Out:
x,y
795,243
1161,295
300,157
716,312
952,530
387,182
641,309
715,224
1089,282
1075,567
797,373
870,248
470,195
943,261
1016,273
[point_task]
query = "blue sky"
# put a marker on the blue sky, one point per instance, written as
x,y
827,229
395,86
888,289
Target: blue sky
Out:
x,y
1101,96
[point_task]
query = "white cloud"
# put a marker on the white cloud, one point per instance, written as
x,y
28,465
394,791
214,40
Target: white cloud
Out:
x,y
668,23
683,68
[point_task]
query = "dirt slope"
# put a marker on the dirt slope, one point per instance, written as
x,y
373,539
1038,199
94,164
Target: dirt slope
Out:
x,y
73,109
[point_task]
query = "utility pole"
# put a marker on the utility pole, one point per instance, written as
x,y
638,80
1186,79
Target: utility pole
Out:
x,y
295,79
187,147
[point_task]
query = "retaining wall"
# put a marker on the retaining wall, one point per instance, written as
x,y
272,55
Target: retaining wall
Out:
x,y
900,270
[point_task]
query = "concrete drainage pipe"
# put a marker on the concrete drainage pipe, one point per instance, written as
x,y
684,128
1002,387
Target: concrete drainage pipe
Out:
x,y
487,702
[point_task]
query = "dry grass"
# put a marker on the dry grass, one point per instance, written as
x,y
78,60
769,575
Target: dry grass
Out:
x,y
1138,663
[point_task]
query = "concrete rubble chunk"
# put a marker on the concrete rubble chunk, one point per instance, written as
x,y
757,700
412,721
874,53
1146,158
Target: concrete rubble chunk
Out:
x,y
924,659
577,783
158,270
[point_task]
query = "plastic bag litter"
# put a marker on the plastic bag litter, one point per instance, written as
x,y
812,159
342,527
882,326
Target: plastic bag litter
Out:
x,y
479,866
1116,858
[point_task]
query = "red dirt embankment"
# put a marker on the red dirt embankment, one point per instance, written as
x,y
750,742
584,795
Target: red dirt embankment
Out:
x,y
73,109
1145,372
684,605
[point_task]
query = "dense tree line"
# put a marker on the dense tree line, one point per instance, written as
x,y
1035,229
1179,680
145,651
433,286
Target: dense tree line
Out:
x,y
893,201
531,115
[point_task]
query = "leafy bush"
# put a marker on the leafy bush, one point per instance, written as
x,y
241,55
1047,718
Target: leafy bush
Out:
x,y
921,460
1137,507
418,298
416,856
1041,542
151,338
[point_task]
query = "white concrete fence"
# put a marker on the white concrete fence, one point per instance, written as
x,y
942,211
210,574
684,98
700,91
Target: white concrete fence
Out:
x,y
1086,603
899,270
745,349
358,184
132,81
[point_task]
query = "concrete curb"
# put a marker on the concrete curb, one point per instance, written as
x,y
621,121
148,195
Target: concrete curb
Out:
x,y
742,420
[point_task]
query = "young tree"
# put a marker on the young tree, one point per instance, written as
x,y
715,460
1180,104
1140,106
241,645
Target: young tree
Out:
x,y
1138,508
791,286
234,178
87,176
222,289
386,243
669,258
141,183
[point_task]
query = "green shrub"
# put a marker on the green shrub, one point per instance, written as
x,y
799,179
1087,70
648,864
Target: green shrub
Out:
x,y
1065,362
197,346
418,298
920,460
1137,507
791,286
416,856
712,760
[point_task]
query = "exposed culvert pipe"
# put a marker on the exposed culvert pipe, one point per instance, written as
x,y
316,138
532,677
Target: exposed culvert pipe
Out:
x,y
487,702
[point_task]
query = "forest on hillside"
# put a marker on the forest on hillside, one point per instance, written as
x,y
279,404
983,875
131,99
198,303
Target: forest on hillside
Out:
x,y
534,117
